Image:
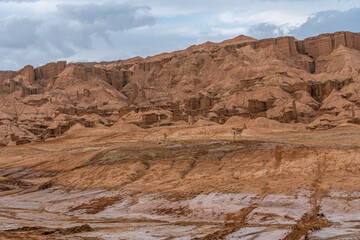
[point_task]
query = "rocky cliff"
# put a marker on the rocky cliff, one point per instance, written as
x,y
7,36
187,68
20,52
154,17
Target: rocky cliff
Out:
x,y
283,79
325,44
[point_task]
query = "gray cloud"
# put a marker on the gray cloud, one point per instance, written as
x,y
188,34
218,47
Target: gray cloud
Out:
x,y
267,30
19,0
321,22
113,17
85,21
18,32
327,22
71,27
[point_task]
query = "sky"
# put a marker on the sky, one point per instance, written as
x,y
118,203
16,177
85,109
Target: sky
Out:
x,y
35,32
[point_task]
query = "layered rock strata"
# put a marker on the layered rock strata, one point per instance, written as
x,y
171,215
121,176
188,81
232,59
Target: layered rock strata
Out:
x,y
283,79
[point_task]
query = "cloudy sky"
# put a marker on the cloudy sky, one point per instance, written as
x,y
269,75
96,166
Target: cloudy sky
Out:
x,y
40,31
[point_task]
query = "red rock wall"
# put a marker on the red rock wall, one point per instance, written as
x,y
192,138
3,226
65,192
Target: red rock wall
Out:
x,y
114,77
284,44
28,73
50,70
324,44
4,75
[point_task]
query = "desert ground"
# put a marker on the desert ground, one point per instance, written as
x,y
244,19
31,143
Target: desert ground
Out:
x,y
198,182
143,148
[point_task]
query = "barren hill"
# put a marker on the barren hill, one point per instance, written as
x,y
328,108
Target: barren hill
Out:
x,y
282,79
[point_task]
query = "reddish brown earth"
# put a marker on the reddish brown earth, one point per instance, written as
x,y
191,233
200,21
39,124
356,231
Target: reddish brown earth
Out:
x,y
314,81
143,148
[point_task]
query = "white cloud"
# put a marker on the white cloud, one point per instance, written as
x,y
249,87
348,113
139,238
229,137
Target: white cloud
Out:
x,y
329,21
228,31
321,22
271,16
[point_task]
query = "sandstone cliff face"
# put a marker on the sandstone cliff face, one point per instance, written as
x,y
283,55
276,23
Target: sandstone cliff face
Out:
x,y
5,75
49,70
281,79
28,74
324,44
285,44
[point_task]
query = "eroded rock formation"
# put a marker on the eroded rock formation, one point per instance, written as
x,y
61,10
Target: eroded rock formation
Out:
x,y
281,79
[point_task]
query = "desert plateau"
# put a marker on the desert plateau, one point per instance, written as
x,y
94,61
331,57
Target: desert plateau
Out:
x,y
242,139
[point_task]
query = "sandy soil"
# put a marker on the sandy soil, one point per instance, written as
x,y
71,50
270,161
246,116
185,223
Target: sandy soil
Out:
x,y
198,183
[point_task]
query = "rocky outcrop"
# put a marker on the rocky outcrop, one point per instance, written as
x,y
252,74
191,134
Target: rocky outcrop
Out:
x,y
319,91
114,77
6,75
256,106
25,91
198,106
49,70
26,74
86,93
324,44
286,45
38,102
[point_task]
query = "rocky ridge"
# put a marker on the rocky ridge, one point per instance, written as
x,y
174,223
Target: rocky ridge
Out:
x,y
314,82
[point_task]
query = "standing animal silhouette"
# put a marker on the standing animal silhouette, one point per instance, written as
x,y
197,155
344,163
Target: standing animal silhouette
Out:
x,y
236,131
